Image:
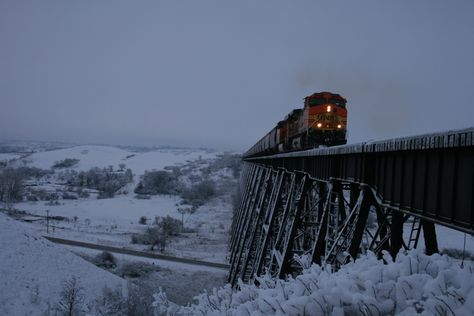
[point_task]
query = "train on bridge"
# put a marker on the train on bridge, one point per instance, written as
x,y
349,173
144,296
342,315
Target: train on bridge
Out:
x,y
321,122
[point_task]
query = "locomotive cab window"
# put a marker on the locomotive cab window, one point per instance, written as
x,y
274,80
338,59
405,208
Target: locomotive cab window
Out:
x,y
313,102
338,103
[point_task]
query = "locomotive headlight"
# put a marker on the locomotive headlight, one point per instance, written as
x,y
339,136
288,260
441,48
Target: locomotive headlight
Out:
x,y
319,125
328,108
339,126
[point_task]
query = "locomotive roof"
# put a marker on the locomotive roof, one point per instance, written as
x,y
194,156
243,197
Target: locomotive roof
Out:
x,y
327,95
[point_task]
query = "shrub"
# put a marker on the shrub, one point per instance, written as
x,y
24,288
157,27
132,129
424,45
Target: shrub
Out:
x,y
33,172
105,195
104,180
69,196
232,162
51,196
142,220
106,260
157,182
136,239
82,193
66,163
32,198
168,225
152,236
199,194
142,197
158,234
136,269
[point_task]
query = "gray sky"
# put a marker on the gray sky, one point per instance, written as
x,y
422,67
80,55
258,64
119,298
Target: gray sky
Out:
x,y
222,73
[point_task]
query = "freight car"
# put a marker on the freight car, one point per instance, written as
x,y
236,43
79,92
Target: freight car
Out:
x,y
321,122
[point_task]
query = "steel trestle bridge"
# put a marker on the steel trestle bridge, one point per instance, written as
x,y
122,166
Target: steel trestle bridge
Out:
x,y
332,204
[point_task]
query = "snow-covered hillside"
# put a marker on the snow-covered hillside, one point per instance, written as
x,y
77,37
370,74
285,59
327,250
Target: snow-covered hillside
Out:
x,y
33,272
103,156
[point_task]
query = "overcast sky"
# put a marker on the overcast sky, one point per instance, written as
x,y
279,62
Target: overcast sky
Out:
x,y
222,73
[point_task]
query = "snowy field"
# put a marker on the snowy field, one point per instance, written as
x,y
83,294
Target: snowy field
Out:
x,y
103,156
8,156
112,221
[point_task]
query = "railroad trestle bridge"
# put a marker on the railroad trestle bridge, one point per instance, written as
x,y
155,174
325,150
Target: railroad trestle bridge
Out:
x,y
331,204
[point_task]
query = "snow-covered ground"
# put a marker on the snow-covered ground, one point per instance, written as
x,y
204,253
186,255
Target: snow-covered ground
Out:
x,y
415,284
113,221
110,221
33,272
180,281
447,238
8,156
119,210
103,156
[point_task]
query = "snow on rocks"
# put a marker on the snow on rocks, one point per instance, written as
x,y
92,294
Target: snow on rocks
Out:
x,y
33,272
413,284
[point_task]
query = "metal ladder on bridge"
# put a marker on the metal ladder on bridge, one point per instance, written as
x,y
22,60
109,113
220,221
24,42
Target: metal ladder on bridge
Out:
x,y
414,233
333,220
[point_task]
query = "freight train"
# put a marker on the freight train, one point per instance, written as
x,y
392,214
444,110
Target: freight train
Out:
x,y
321,122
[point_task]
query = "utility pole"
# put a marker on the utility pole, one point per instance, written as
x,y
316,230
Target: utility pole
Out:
x,y
182,211
47,221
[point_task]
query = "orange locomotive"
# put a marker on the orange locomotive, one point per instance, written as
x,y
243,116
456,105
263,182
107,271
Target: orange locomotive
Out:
x,y
322,122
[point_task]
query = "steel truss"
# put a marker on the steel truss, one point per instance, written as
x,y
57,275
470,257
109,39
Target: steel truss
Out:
x,y
286,217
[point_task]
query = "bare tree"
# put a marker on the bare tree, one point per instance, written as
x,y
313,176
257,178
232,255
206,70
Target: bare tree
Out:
x,y
11,185
190,210
71,298
154,236
110,303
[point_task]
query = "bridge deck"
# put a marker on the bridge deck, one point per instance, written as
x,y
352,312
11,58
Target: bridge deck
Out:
x,y
430,176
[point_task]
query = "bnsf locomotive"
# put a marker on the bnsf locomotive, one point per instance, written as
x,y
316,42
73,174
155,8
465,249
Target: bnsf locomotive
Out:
x,y
322,122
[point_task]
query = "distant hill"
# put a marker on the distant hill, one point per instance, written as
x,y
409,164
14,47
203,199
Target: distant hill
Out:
x,y
103,156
